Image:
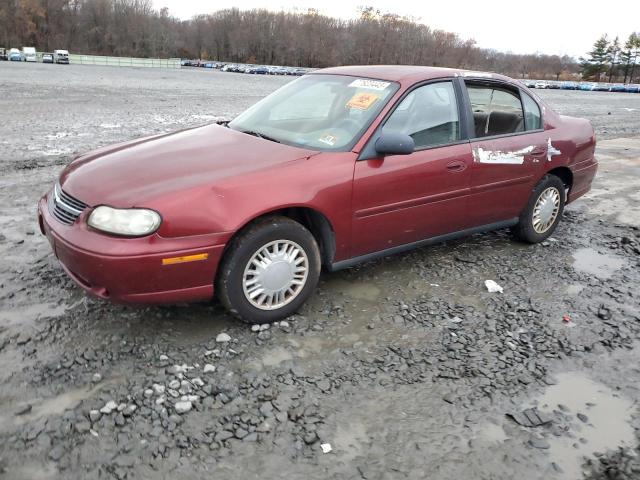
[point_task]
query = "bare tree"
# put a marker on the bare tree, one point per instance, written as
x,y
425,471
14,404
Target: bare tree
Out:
x,y
299,38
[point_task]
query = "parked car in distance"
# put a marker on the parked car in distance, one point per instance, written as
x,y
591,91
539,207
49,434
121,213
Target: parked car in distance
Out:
x,y
3,54
47,58
632,88
15,55
259,70
567,85
336,168
587,86
541,84
29,54
61,56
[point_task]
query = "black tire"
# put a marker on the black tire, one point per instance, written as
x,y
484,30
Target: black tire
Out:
x,y
229,281
525,229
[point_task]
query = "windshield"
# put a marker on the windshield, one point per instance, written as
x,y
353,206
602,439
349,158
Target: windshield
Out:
x,y
320,112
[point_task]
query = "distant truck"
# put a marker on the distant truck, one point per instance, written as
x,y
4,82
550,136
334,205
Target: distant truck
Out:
x,y
61,56
29,54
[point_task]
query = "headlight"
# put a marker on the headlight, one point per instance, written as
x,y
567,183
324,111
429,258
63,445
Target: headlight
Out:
x,y
132,222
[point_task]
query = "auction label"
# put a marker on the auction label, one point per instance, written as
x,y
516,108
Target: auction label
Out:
x,y
369,84
362,101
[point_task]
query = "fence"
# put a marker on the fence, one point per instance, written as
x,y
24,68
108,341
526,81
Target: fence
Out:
x,y
124,61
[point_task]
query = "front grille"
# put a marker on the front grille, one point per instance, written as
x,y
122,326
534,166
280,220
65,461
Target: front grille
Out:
x,y
64,207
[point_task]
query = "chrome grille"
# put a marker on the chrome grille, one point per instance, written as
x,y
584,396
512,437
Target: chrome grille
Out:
x,y
64,207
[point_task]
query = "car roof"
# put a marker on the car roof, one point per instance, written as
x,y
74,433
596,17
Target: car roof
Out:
x,y
406,73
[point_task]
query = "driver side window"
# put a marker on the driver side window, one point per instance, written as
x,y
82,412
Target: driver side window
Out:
x,y
429,115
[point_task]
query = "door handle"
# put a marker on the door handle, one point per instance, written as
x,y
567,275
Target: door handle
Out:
x,y
538,152
456,166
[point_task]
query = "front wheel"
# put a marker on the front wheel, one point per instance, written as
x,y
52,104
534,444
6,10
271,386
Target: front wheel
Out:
x,y
544,209
269,271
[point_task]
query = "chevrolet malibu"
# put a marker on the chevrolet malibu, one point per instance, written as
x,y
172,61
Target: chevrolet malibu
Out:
x,y
338,167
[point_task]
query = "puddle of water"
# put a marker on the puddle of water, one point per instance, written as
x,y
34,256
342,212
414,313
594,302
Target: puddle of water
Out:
x,y
492,433
276,356
608,420
55,405
31,313
31,471
358,290
302,348
197,323
59,404
348,440
601,265
574,289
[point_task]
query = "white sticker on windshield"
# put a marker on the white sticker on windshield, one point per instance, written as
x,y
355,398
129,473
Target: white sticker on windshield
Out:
x,y
370,84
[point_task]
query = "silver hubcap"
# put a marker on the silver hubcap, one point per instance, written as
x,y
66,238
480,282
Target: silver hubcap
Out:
x,y
275,274
546,209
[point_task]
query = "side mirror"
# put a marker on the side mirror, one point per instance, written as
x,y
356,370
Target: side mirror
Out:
x,y
393,143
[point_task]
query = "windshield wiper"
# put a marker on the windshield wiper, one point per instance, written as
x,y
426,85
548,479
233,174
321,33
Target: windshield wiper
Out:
x,y
260,135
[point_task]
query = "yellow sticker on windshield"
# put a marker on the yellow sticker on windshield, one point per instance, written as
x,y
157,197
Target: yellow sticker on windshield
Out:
x,y
362,101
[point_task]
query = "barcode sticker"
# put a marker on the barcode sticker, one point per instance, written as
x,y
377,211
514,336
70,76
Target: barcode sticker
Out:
x,y
369,84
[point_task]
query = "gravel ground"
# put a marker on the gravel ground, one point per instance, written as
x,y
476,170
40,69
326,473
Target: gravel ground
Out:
x,y
404,368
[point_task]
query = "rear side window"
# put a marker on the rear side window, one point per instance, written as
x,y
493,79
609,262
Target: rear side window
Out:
x,y
429,115
532,117
496,111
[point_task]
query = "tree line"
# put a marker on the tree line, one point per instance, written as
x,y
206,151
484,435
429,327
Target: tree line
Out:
x,y
610,61
306,39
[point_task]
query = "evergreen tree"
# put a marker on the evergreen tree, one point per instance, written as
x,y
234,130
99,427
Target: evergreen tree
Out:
x,y
596,63
634,53
626,55
614,54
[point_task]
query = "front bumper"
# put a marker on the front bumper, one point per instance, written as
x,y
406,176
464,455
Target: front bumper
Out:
x,y
127,270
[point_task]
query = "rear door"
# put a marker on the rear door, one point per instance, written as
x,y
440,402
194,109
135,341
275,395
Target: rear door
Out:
x,y
509,149
400,199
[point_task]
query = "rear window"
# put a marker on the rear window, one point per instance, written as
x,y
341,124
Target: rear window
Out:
x,y
496,111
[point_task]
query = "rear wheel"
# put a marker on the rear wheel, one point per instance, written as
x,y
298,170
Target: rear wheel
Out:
x,y
269,271
544,209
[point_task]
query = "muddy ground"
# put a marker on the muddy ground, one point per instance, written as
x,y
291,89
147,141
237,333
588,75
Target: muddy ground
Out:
x,y
407,367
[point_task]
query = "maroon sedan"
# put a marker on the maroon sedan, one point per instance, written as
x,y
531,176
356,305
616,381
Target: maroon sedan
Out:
x,y
340,166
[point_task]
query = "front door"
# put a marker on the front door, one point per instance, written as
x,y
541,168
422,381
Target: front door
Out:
x,y
400,199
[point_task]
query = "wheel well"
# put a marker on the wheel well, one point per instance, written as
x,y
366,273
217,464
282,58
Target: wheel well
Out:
x,y
564,174
312,220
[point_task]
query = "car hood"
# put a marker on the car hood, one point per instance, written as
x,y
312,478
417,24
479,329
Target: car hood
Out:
x,y
133,173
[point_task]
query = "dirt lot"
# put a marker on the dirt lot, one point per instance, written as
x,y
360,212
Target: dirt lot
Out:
x,y
406,366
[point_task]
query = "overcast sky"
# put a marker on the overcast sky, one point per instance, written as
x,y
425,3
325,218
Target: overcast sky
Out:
x,y
546,26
